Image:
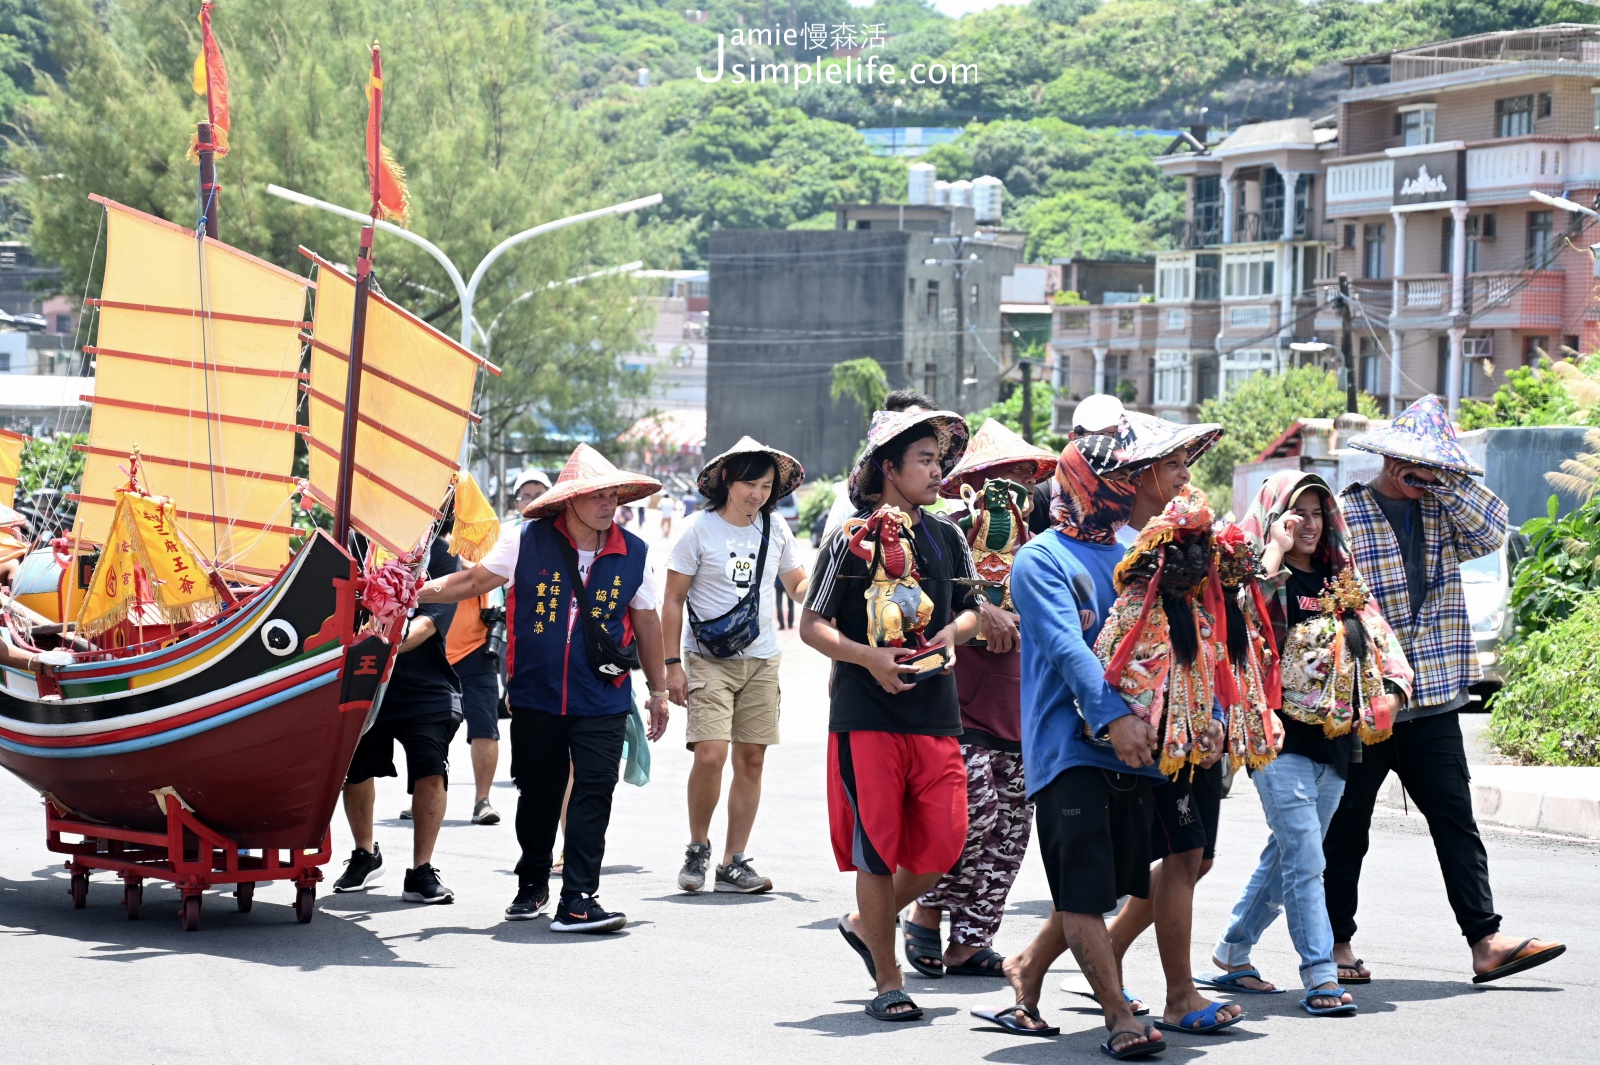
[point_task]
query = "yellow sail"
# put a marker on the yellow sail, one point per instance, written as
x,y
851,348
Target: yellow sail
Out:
x,y
10,465
197,363
413,412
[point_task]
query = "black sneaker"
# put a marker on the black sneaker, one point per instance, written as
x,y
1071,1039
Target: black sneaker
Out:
x,y
361,870
582,913
423,885
531,900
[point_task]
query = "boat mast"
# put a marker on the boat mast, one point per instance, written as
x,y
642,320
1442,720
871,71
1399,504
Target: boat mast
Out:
x,y
358,317
210,190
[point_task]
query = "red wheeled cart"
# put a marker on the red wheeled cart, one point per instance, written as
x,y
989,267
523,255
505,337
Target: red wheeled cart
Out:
x,y
191,855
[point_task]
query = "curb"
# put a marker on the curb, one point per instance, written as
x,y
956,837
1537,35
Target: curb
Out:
x,y
1513,796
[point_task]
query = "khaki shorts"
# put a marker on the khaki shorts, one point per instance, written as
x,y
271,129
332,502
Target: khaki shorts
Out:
x,y
734,699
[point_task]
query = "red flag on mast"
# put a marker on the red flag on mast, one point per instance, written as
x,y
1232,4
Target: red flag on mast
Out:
x,y
211,80
390,197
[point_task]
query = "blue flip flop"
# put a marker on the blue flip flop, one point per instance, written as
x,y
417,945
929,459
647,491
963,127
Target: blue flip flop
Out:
x,y
1343,1009
1207,1018
1229,982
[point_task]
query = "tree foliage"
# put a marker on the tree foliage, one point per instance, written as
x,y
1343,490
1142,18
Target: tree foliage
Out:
x,y
1008,412
469,111
861,380
1256,413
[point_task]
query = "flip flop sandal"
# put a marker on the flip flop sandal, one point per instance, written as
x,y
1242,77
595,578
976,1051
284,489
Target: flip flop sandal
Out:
x,y
1134,1050
1006,1017
1207,1018
1519,963
984,963
1341,1010
1229,982
1354,968
857,945
921,943
878,1008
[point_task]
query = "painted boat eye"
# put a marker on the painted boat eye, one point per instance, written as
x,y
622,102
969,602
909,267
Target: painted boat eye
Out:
x,y
280,637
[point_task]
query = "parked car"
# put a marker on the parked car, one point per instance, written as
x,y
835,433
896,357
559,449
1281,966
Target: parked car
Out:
x,y
789,510
1486,583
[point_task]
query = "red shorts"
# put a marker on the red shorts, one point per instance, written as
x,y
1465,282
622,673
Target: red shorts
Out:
x,y
896,801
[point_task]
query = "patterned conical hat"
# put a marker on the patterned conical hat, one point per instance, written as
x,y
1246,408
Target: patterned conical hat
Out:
x,y
1424,434
790,474
588,471
950,427
1156,438
995,446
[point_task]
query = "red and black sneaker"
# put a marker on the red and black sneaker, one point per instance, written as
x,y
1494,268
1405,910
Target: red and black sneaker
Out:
x,y
582,913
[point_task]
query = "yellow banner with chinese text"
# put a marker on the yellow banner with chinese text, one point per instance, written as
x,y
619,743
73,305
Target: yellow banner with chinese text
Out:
x,y
146,563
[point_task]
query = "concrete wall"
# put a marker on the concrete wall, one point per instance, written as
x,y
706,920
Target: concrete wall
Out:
x,y
785,307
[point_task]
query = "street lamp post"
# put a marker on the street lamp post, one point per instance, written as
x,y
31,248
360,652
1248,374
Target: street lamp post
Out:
x,y
468,289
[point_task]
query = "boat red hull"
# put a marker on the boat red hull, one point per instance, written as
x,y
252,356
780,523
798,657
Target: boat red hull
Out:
x,y
271,779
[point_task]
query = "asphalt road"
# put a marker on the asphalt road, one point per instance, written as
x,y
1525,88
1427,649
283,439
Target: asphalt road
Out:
x,y
709,977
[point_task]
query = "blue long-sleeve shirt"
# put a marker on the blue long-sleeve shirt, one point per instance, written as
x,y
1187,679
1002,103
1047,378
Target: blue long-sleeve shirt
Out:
x,y
1063,683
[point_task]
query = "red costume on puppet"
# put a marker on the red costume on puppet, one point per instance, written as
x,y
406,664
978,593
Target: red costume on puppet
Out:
x,y
1165,642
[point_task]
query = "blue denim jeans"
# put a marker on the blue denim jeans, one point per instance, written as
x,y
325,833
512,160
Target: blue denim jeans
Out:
x,y
1299,797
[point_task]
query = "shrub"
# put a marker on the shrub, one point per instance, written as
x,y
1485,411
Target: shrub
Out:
x,y
1549,711
816,498
1562,566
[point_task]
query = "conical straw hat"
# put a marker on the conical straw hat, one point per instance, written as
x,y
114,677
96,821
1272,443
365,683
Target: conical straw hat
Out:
x,y
1424,434
587,471
995,446
790,474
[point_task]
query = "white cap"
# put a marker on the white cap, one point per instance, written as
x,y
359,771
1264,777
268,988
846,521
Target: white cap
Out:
x,y
529,477
1097,413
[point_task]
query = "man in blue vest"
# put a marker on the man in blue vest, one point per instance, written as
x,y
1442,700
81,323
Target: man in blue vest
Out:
x,y
581,603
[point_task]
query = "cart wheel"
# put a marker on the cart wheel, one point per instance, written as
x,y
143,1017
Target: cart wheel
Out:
x,y
80,890
246,896
132,898
305,904
189,913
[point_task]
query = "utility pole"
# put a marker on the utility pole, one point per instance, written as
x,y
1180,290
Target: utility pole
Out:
x,y
1345,352
961,329
1027,398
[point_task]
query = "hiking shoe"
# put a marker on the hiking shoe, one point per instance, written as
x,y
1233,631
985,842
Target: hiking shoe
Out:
x,y
692,877
484,814
532,898
422,885
361,870
738,876
582,913
405,815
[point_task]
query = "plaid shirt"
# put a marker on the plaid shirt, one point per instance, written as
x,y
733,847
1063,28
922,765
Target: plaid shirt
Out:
x,y
1460,520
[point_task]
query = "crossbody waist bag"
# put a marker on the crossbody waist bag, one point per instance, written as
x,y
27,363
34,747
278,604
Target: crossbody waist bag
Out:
x,y
607,658
727,634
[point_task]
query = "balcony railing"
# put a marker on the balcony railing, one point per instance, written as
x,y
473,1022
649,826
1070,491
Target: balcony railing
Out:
x,y
1569,44
1190,233
1425,293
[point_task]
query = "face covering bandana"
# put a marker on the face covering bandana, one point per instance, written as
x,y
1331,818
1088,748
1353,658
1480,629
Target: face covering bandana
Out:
x,y
1086,505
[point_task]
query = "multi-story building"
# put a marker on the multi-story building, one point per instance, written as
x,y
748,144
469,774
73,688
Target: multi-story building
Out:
x,y
915,287
1462,272
1417,190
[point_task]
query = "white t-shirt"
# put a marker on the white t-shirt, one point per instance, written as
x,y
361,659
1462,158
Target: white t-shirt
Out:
x,y
502,561
837,514
1126,535
721,559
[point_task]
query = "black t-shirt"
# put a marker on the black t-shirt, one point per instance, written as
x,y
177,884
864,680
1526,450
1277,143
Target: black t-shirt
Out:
x,y
857,703
424,684
1405,518
1039,516
1302,590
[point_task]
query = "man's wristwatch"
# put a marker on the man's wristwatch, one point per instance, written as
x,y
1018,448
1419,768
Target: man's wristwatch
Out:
x,y
672,662
658,695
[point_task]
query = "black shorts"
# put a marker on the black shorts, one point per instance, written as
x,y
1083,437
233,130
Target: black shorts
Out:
x,y
427,745
480,695
1186,813
1094,834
